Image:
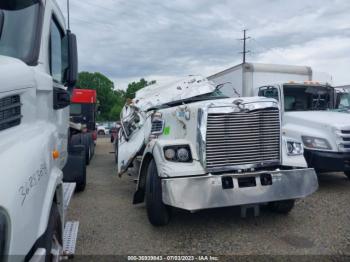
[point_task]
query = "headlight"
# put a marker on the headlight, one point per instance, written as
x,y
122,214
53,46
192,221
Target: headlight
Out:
x,y
178,153
315,143
294,148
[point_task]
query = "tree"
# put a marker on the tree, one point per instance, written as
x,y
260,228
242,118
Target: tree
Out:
x,y
104,88
110,101
136,86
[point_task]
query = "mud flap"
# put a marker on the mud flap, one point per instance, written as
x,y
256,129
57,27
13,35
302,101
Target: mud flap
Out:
x,y
73,170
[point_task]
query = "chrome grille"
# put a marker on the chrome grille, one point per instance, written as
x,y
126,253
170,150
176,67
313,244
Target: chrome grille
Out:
x,y
242,139
157,127
344,143
10,112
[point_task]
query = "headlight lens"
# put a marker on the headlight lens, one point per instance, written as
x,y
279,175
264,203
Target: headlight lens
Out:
x,y
315,143
294,148
179,153
170,153
183,154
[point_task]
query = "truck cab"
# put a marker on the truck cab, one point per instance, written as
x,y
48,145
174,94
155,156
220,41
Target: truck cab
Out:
x,y
309,114
38,69
83,112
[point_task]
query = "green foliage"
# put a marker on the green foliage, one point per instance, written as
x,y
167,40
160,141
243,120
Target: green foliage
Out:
x,y
136,86
110,101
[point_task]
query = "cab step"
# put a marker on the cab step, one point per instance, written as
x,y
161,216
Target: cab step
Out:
x,y
70,238
68,191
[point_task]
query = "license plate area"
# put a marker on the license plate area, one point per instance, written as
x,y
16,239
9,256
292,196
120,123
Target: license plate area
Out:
x,y
246,182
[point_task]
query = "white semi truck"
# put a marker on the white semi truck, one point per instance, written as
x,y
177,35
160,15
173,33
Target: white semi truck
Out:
x,y
306,106
38,69
194,148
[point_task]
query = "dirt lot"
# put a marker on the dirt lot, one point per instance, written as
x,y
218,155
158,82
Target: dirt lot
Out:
x,y
111,225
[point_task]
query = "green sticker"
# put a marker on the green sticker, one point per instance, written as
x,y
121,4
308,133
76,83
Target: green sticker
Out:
x,y
166,130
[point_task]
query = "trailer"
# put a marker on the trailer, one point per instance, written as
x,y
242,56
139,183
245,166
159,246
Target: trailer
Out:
x,y
38,71
193,148
307,108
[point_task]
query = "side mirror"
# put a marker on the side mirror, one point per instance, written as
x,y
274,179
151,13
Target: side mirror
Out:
x,y
61,98
2,17
72,70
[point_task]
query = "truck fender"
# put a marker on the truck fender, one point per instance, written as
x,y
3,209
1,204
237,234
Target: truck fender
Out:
x,y
151,152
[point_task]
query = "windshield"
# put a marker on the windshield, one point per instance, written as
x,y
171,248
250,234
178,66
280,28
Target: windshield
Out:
x,y
18,32
343,101
75,109
307,98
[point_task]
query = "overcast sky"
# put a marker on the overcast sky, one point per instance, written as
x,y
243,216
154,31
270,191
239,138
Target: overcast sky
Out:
x,y
166,39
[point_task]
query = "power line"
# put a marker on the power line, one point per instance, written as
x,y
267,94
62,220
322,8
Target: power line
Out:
x,y
244,39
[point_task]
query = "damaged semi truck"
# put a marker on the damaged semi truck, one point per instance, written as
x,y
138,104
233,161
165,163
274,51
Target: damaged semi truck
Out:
x,y
38,70
194,148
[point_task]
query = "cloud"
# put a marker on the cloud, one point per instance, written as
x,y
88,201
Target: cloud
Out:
x,y
163,40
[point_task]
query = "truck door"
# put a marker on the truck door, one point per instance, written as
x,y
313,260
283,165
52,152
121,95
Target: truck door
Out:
x,y
131,137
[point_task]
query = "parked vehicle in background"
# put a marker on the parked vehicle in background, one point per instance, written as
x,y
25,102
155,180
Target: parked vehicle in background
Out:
x,y
306,109
114,132
194,148
83,111
38,70
102,130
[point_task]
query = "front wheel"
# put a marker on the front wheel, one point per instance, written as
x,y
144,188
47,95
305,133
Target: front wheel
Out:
x,y
282,207
53,242
158,213
347,173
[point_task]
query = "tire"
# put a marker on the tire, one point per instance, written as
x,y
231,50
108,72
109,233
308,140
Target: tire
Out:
x,y
52,238
116,151
158,213
81,180
282,207
86,142
112,138
101,132
92,148
347,173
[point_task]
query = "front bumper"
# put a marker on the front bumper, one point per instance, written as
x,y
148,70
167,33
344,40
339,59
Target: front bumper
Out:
x,y
203,192
327,161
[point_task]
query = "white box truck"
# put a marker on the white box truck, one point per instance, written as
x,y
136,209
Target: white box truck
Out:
x,y
38,69
194,148
307,109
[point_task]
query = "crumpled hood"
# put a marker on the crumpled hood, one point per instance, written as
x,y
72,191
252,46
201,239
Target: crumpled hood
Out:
x,y
323,118
14,74
156,94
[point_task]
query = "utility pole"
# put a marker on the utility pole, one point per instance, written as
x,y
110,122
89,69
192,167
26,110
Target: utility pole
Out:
x,y
68,14
244,39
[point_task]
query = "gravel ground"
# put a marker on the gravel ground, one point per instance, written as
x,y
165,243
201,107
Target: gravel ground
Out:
x,y
111,225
